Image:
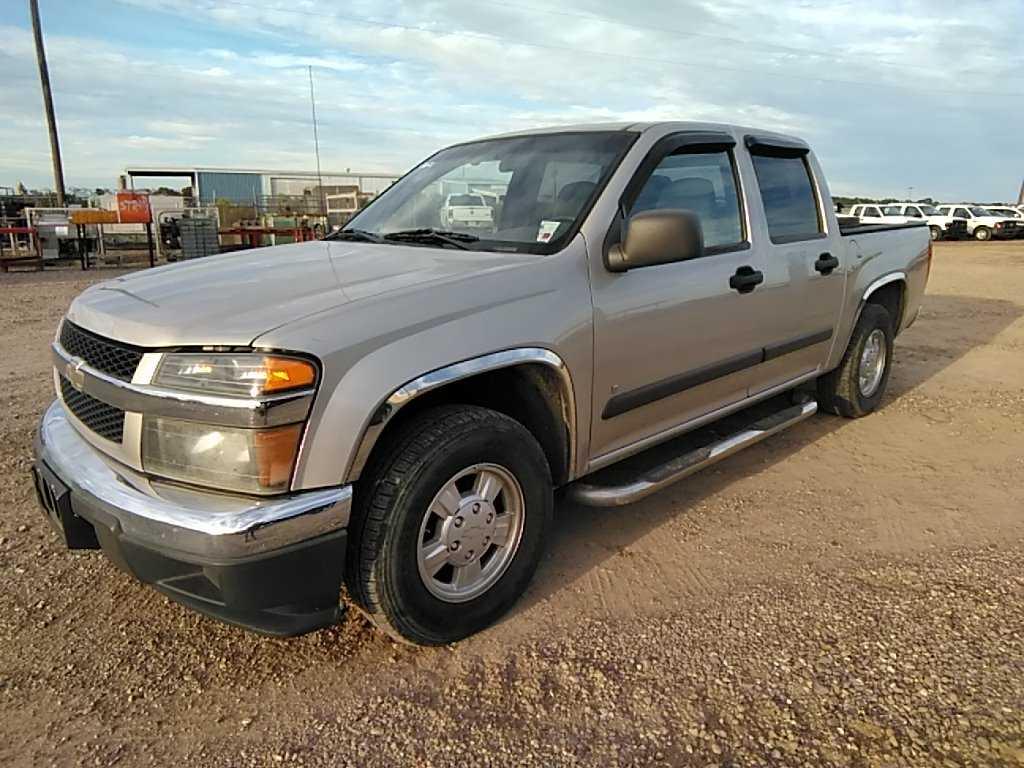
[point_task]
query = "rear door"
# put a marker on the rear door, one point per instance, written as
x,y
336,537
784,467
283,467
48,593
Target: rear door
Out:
x,y
803,257
675,341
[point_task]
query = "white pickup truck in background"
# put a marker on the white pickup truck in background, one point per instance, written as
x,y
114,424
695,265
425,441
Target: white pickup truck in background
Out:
x,y
941,226
983,224
466,211
1010,213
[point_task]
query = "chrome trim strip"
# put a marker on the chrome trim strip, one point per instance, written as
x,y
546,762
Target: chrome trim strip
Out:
x,y
181,520
268,411
683,466
892,277
490,362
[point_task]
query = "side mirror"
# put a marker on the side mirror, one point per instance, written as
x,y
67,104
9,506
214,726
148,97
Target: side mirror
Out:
x,y
657,237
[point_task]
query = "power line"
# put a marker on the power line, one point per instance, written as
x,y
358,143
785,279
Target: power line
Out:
x,y
874,86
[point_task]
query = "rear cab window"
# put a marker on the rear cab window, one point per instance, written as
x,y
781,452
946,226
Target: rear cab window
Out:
x,y
789,196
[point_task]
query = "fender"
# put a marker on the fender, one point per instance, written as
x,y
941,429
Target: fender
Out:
x,y
462,370
892,277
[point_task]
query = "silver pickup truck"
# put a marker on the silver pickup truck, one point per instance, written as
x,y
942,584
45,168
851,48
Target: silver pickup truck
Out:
x,y
392,409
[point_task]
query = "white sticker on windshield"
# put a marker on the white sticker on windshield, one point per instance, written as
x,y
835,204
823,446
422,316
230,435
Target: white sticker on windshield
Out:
x,y
547,230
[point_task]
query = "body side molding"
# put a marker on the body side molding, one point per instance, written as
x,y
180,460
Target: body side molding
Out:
x,y
409,391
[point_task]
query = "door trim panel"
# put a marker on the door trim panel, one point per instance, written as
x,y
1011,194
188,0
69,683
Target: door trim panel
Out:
x,y
781,348
673,385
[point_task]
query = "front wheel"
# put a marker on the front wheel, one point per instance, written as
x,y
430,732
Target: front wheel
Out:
x,y
982,234
855,388
449,526
935,233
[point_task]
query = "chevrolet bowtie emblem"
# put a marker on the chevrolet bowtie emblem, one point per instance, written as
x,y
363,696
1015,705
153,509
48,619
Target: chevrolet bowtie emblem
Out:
x,y
74,373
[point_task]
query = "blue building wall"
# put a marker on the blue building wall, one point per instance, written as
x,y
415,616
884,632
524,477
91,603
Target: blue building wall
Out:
x,y
236,187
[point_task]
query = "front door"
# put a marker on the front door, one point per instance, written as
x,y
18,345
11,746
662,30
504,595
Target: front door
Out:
x,y
676,341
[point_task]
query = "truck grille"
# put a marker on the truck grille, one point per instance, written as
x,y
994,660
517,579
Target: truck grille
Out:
x,y
105,420
111,357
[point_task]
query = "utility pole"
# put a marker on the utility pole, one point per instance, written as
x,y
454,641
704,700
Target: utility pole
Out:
x,y
1020,195
316,146
51,121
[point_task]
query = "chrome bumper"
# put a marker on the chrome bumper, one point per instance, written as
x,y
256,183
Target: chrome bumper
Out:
x,y
169,518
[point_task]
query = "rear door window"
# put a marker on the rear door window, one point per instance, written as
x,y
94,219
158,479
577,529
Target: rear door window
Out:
x,y
961,213
790,201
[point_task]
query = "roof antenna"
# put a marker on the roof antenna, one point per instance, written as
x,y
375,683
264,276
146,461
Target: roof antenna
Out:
x,y
316,146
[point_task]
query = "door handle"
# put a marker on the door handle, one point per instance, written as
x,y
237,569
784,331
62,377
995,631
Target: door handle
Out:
x,y
746,279
826,263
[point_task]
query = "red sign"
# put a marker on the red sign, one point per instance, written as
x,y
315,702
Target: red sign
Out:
x,y
133,208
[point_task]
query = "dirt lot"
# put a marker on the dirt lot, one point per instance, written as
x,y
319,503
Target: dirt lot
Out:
x,y
847,593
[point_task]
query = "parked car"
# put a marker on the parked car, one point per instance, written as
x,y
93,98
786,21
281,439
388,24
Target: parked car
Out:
x,y
1009,212
982,224
393,408
941,227
870,214
466,212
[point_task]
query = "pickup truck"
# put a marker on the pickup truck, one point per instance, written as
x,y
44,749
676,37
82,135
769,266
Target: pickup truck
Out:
x,y
1009,212
392,409
983,224
466,211
941,227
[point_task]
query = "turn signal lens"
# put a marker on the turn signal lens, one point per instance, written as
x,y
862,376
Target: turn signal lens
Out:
x,y
245,374
287,373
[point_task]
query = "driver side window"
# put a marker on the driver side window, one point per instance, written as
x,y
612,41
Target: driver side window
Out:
x,y
702,182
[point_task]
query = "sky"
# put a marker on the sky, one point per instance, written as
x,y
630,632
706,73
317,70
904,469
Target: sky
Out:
x,y
926,94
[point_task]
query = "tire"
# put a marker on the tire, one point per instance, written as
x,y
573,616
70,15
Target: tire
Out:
x,y
840,391
982,234
935,233
393,516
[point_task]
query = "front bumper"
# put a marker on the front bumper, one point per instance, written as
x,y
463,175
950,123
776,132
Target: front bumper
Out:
x,y
273,565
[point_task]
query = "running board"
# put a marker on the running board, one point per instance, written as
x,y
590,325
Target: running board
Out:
x,y
664,474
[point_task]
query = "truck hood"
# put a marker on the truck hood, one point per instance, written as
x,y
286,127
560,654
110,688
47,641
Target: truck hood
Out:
x,y
234,298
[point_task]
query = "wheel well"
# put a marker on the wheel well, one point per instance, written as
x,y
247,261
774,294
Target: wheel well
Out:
x,y
890,296
530,393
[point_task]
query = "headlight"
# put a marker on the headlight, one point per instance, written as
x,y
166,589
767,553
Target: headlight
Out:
x,y
243,375
244,460
241,459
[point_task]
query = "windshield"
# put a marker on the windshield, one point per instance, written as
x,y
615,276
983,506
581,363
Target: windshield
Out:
x,y
1009,213
929,210
979,211
539,188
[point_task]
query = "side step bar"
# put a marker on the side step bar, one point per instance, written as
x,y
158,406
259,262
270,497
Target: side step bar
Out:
x,y
675,469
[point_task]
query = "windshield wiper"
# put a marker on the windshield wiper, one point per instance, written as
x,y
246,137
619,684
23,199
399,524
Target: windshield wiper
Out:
x,y
355,234
454,239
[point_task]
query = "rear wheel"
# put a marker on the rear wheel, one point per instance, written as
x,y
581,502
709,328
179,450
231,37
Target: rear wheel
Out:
x,y
983,233
935,233
449,526
855,388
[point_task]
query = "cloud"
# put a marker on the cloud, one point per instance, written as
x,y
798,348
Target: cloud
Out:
x,y
889,94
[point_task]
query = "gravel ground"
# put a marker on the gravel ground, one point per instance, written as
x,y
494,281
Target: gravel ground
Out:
x,y
847,593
